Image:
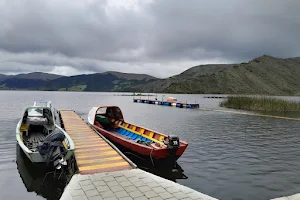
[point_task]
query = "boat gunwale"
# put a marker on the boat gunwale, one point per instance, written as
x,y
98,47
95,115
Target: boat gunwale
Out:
x,y
124,139
94,117
71,145
181,141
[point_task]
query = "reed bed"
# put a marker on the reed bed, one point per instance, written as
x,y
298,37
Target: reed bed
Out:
x,y
261,103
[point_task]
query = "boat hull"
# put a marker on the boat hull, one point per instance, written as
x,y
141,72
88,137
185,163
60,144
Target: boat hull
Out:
x,y
157,154
36,157
109,122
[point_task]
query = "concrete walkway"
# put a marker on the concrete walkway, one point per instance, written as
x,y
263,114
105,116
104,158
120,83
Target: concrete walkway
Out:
x,y
293,197
126,185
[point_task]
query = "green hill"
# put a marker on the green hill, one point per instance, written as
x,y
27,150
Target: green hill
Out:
x,y
26,81
37,76
262,75
104,82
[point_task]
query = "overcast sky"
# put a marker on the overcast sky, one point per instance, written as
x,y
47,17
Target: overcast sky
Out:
x,y
156,37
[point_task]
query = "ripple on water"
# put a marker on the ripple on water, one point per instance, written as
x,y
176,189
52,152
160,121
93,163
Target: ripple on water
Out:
x,y
229,156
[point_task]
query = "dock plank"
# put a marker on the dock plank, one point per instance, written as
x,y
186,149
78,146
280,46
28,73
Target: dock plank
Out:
x,y
92,153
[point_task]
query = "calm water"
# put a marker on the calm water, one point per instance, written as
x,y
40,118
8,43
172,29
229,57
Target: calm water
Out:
x,y
229,156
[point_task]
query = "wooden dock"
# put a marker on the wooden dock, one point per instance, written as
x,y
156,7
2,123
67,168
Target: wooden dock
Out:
x,y
104,173
92,153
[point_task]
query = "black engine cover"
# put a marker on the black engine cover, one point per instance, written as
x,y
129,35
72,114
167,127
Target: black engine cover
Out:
x,y
173,142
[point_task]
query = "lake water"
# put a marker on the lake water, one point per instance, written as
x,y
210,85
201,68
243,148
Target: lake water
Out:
x,y
229,156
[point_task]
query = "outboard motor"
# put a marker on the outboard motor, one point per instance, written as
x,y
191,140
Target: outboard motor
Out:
x,y
56,135
53,150
173,145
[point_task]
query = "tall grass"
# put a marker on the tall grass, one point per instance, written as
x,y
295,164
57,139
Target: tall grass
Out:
x,y
261,103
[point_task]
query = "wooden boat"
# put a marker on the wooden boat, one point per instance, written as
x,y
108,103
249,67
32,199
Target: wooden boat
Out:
x,y
38,125
109,121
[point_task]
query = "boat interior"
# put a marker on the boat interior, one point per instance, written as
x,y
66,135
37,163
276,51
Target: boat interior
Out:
x,y
111,119
37,123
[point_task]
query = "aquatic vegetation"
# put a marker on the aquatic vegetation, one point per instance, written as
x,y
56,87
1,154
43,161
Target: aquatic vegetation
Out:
x,y
261,103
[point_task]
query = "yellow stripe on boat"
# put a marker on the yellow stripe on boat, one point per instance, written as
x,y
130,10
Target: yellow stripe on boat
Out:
x,y
151,134
133,128
161,137
138,133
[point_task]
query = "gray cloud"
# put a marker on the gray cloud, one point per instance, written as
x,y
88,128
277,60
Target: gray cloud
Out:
x,y
161,38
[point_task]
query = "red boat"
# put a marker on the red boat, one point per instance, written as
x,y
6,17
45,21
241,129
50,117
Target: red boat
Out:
x,y
109,121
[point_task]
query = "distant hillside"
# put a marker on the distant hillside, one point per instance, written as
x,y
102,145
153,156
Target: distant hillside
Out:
x,y
38,76
26,81
3,77
21,83
262,75
130,76
108,81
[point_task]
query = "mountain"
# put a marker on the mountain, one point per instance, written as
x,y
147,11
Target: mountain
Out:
x,y
26,81
3,77
38,76
130,76
105,82
262,75
20,83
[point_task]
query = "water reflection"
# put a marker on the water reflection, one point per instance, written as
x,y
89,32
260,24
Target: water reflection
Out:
x,y
41,179
229,156
172,174
283,114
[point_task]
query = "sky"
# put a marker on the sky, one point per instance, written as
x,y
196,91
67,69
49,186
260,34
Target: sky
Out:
x,y
156,37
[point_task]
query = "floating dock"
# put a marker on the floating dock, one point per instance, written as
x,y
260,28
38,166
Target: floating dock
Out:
x,y
166,103
105,173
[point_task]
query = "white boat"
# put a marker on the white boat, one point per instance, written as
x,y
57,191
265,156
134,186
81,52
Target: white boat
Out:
x,y
36,127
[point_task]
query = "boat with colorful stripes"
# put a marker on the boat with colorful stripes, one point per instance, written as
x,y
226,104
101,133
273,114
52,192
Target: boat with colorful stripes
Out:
x,y
160,148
